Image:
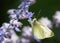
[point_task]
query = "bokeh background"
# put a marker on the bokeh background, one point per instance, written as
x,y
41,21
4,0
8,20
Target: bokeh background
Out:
x,y
47,7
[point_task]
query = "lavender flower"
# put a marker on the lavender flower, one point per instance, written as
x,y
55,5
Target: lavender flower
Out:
x,y
32,1
1,35
22,11
5,25
30,20
27,31
25,40
21,5
14,15
29,15
26,15
56,18
1,39
45,21
25,7
4,32
13,38
15,24
8,34
24,3
11,11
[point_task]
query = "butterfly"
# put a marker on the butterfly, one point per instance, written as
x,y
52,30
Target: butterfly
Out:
x,y
41,31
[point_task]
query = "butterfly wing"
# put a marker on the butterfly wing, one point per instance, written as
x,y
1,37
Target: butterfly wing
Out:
x,y
41,31
47,32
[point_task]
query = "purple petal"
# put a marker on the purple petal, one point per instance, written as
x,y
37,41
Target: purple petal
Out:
x,y
17,29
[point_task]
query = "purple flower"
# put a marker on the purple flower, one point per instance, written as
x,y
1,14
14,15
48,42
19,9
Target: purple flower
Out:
x,y
5,25
17,29
26,15
25,40
45,21
27,32
29,14
8,34
21,5
1,35
1,39
1,32
30,20
15,24
21,13
32,1
25,6
13,16
56,18
11,11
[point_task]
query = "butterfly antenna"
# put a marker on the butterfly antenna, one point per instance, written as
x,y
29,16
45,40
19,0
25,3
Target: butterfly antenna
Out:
x,y
38,14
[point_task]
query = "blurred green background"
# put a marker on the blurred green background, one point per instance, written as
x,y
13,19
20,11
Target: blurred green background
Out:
x,y
47,7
